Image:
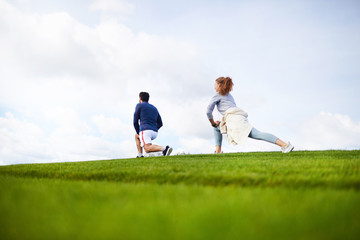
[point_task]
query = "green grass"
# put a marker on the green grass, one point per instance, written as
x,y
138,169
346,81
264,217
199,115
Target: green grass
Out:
x,y
302,195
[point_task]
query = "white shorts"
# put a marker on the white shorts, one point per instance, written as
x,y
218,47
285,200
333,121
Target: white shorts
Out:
x,y
147,136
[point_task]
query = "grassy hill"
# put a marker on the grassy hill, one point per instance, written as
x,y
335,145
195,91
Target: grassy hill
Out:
x,y
301,195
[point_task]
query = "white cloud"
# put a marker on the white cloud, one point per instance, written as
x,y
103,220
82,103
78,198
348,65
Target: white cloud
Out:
x,y
330,131
112,128
21,141
73,140
45,45
53,60
57,46
187,118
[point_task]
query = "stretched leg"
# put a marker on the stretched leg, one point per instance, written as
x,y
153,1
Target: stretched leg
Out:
x,y
218,140
256,134
281,143
152,148
147,136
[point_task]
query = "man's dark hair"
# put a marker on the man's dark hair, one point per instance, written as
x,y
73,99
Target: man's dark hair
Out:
x,y
144,96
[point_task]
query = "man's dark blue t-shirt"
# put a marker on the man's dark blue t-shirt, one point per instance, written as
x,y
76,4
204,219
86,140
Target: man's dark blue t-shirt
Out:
x,y
148,116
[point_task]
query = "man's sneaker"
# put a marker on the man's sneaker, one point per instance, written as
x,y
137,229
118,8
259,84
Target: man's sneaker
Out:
x,y
167,151
288,148
139,156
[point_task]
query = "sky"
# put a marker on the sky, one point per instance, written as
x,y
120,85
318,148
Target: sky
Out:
x,y
71,72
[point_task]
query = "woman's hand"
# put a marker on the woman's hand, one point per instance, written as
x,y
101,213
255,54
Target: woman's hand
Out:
x,y
213,123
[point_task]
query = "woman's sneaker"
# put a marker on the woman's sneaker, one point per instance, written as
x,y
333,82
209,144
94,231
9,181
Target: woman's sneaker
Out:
x,y
167,151
288,148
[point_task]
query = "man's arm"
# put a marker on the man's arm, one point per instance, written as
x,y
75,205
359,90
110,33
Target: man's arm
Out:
x,y
136,118
159,122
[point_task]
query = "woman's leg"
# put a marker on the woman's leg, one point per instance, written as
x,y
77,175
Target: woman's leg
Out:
x,y
256,134
218,139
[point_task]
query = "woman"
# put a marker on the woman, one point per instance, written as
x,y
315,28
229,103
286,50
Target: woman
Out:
x,y
234,121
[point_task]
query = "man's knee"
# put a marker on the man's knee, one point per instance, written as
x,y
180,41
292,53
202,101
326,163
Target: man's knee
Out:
x,y
147,147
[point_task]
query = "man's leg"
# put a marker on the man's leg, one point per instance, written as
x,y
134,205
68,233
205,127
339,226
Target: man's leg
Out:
x,y
152,148
149,135
138,145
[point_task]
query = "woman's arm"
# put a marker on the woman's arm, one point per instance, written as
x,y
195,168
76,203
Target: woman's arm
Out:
x,y
211,106
210,109
213,123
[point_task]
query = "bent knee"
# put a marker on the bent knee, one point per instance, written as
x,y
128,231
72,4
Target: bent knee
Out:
x,y
147,147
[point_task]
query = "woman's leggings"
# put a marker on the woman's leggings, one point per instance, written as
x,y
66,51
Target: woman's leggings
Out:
x,y
255,134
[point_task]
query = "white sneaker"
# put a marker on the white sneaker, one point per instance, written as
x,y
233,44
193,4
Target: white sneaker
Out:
x,y
153,154
288,148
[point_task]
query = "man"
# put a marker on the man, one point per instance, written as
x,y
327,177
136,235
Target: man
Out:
x,y
147,130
